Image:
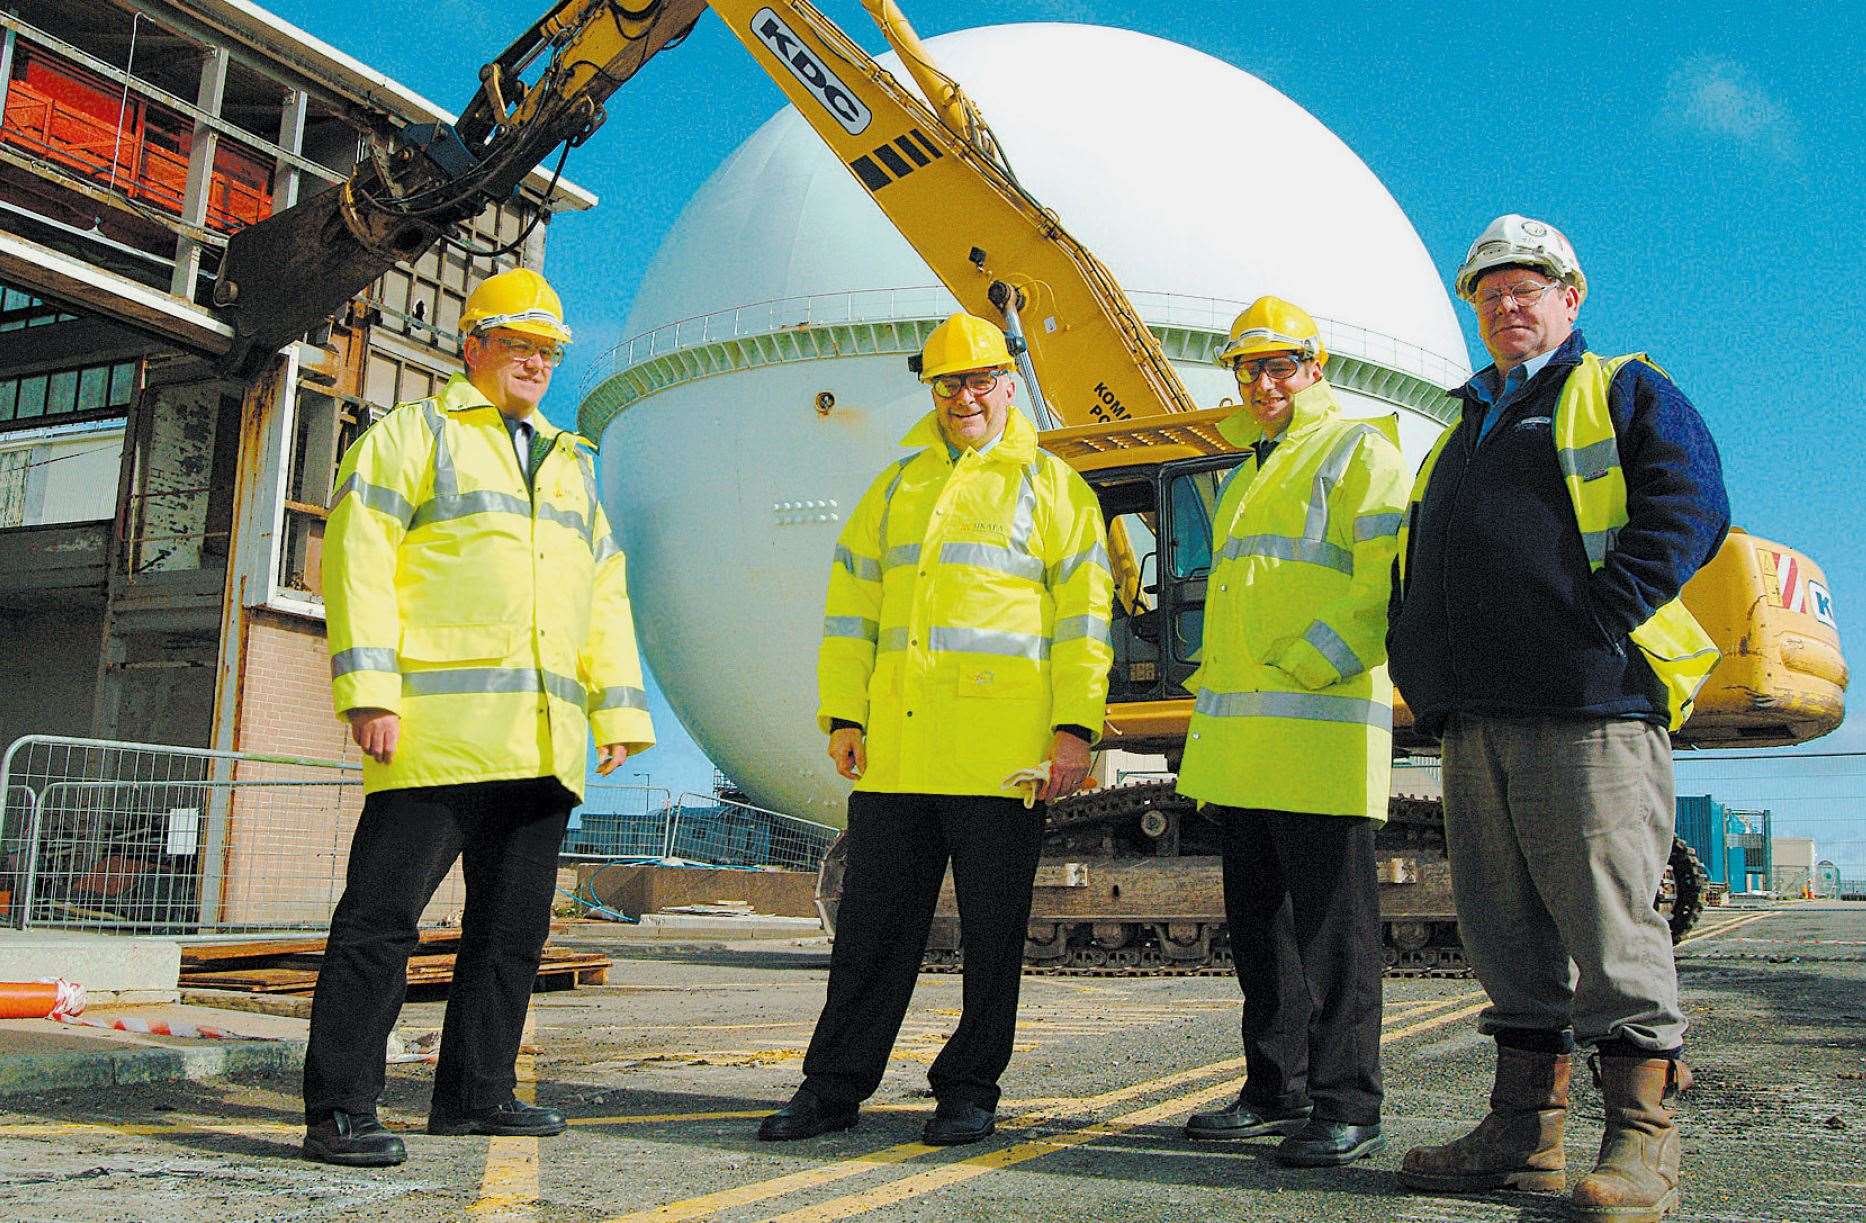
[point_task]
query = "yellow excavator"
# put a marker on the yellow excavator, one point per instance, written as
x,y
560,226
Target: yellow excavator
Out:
x,y
1130,881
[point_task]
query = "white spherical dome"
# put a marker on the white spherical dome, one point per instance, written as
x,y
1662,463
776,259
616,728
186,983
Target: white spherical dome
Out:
x,y
782,280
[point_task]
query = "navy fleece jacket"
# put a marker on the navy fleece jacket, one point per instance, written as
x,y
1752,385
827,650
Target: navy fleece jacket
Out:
x,y
1500,613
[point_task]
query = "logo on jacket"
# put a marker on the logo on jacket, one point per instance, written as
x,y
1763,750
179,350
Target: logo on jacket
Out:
x,y
810,71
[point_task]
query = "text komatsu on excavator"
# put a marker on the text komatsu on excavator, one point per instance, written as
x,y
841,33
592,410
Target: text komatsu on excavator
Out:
x,y
1130,881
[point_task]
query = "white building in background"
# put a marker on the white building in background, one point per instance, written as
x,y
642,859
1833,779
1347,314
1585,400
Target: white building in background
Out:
x,y
782,281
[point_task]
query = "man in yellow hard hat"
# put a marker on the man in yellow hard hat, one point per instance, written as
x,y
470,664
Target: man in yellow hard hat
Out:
x,y
1541,638
965,640
1291,738
479,629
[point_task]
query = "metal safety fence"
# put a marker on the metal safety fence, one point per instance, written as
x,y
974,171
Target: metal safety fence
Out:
x,y
621,821
720,832
151,838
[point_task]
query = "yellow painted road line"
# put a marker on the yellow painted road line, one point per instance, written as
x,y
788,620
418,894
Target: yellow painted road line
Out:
x,y
1725,928
509,1188
935,1179
707,1205
811,1178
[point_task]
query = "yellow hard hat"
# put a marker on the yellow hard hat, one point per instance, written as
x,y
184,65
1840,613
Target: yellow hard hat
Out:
x,y
1271,324
518,300
962,342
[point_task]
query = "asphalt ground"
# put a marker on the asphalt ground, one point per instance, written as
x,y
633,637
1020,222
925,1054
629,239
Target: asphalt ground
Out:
x,y
665,1073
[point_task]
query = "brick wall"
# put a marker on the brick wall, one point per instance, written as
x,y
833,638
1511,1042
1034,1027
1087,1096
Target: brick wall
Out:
x,y
288,844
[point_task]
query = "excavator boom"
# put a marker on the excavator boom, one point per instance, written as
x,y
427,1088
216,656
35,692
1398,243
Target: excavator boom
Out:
x,y
940,177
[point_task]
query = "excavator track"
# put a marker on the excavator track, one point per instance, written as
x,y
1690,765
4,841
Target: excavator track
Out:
x,y
1101,830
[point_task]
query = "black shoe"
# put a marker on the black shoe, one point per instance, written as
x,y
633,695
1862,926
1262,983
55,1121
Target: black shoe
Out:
x,y
1329,1144
1241,1119
508,1120
806,1116
955,1122
355,1140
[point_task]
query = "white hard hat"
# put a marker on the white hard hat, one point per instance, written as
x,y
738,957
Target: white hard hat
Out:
x,y
1513,240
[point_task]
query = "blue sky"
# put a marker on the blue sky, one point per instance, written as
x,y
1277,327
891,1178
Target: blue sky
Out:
x,y
1708,160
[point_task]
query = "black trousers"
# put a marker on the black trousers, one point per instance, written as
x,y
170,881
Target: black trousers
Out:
x,y
1303,903
508,833
899,845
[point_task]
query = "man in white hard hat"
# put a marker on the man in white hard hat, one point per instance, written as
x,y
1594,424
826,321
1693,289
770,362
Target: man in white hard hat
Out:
x,y
479,630
965,640
1540,635
1291,738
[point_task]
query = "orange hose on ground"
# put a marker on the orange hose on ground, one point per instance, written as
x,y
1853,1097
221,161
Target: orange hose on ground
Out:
x,y
39,999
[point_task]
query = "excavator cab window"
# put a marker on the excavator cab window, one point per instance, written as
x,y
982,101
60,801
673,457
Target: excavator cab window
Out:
x,y
1189,490
1129,502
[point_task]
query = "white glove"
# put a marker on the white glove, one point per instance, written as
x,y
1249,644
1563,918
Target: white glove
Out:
x,y
1030,781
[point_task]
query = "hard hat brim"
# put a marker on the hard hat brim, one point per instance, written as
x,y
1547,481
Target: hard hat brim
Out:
x,y
548,331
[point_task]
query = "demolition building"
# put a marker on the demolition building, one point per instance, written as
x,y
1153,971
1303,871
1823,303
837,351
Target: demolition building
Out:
x,y
160,527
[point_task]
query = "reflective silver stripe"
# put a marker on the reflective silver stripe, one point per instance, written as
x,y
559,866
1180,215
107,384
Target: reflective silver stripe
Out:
x,y
622,696
1302,706
988,641
893,639
867,568
1024,516
566,689
606,547
375,497
564,518
445,507
362,658
1326,477
1070,627
587,466
1376,526
887,498
905,554
851,626
463,681
1283,548
491,501
1338,652
1590,462
1598,544
1017,563
1066,568
445,482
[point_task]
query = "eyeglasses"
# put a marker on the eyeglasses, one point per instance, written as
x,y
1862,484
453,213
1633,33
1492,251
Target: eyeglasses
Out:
x,y
1524,293
1278,368
979,382
524,350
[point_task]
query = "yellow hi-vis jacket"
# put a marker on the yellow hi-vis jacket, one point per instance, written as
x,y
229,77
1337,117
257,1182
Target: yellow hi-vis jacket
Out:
x,y
1292,709
1676,647
492,618
967,615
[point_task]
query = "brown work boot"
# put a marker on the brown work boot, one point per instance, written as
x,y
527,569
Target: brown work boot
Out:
x,y
1518,1146
1636,1177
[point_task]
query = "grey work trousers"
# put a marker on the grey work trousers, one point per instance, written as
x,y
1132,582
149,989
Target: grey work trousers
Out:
x,y
1559,830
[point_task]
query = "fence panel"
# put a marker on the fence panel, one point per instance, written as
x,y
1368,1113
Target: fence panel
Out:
x,y
621,821
724,833
151,838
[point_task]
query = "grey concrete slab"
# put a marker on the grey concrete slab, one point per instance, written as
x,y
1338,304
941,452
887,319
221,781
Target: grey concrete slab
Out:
x,y
111,967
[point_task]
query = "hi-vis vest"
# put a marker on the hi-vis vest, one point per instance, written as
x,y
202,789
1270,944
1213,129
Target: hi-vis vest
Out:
x,y
494,618
967,614
1675,646
1292,710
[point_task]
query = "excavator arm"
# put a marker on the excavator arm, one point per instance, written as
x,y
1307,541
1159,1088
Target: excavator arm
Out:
x,y
279,278
933,167
937,172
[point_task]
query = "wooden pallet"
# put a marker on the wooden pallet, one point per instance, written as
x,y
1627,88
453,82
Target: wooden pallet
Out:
x,y
295,970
